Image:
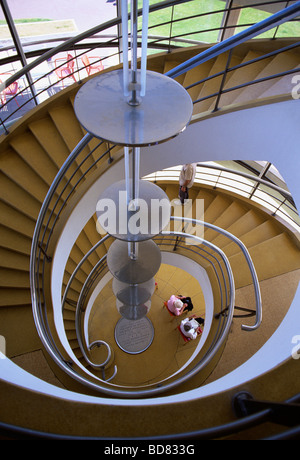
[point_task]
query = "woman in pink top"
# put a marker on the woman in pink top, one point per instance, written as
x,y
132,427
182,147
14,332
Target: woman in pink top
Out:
x,y
175,305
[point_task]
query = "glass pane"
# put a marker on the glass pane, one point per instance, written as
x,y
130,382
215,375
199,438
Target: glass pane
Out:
x,y
250,16
133,271
7,48
159,23
61,16
289,29
204,27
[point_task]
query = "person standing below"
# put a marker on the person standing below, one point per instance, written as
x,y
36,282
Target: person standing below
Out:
x,y
186,180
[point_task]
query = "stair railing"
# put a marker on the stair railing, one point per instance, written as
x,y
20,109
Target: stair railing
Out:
x,y
71,44
40,258
275,20
219,339
249,261
284,204
93,278
181,235
34,268
38,262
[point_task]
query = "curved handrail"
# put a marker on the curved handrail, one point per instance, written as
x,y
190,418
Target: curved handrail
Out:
x,y
282,16
86,256
158,389
245,251
290,219
97,343
94,274
211,353
214,432
82,36
35,248
248,176
275,20
34,278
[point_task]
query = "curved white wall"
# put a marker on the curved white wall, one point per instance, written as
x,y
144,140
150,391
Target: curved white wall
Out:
x,y
263,133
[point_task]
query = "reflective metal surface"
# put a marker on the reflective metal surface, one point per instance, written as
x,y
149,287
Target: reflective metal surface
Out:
x,y
133,294
133,312
133,271
134,220
103,111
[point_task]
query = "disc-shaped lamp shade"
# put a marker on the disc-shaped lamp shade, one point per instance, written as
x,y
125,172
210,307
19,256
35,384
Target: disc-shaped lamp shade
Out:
x,y
130,270
103,111
129,220
133,312
133,294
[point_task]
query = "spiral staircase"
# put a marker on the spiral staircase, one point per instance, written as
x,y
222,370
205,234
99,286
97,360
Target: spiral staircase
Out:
x,y
40,399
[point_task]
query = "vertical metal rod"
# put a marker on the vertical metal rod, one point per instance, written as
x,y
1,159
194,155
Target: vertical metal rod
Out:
x,y
120,28
125,47
137,174
144,46
133,175
171,27
223,81
127,174
134,22
135,162
133,246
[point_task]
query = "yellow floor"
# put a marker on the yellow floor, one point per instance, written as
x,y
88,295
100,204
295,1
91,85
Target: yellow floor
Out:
x,y
168,352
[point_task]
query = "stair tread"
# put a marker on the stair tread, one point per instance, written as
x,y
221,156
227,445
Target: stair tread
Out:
x,y
242,75
14,240
272,257
20,172
282,61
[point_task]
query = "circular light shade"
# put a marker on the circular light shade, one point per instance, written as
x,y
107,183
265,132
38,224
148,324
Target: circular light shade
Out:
x,y
133,312
133,271
133,294
102,110
126,220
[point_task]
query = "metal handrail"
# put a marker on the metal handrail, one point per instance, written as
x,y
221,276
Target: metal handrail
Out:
x,y
72,277
210,433
91,279
286,195
229,273
248,176
247,256
34,266
68,44
275,20
71,44
210,354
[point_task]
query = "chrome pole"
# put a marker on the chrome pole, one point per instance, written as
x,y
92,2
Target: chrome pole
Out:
x,y
133,86
124,11
144,46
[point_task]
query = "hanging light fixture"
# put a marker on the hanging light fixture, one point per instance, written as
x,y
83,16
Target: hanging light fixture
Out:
x,y
133,108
